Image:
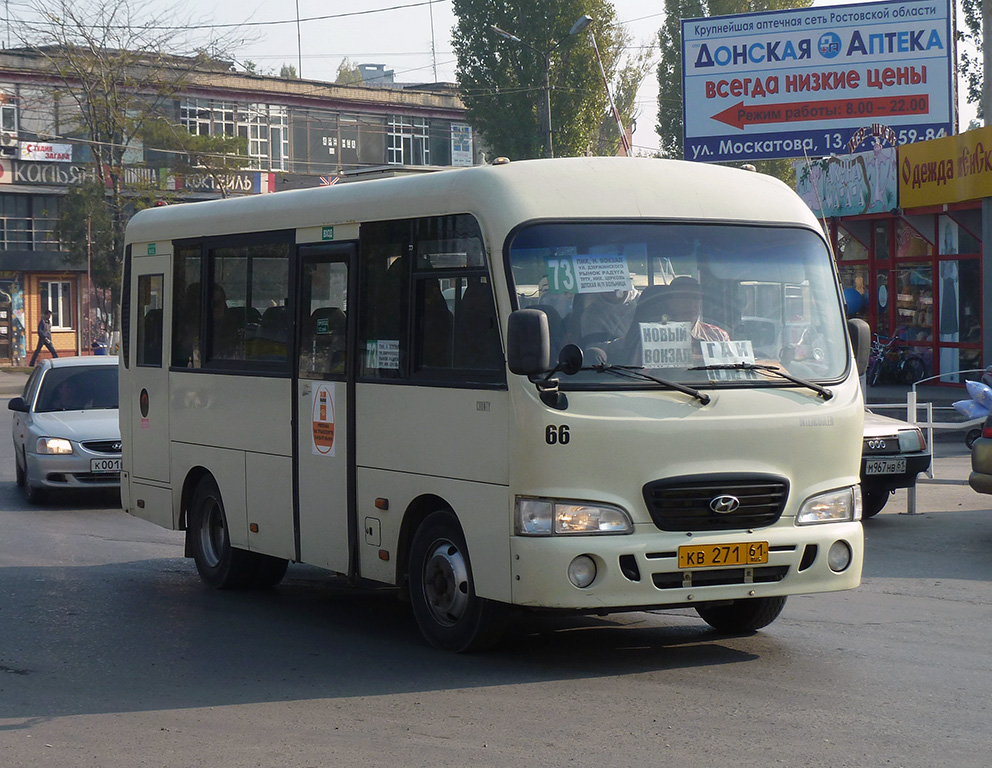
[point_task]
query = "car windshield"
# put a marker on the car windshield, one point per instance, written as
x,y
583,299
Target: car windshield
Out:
x,y
78,389
703,305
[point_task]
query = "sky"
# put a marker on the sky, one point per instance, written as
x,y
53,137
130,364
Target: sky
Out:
x,y
412,38
412,41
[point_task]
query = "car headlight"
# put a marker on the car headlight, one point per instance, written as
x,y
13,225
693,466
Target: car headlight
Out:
x,y
831,507
57,445
911,441
547,517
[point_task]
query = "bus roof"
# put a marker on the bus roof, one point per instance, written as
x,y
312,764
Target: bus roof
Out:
x,y
501,196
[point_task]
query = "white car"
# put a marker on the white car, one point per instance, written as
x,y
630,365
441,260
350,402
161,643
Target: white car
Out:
x,y
65,427
893,453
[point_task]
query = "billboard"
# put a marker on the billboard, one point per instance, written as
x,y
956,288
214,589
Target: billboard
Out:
x,y
803,81
951,170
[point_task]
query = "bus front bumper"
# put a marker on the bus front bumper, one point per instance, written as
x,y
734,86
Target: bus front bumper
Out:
x,y
642,570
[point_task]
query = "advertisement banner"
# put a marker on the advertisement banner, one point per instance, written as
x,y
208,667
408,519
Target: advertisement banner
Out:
x,y
948,170
803,81
53,153
849,185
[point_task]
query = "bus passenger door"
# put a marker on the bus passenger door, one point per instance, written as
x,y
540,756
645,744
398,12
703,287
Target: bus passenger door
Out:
x,y
148,442
323,370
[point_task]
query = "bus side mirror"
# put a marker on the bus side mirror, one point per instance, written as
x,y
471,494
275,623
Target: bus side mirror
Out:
x,y
860,341
528,342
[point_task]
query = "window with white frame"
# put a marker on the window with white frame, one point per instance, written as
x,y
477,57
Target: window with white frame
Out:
x,y
264,126
56,295
408,141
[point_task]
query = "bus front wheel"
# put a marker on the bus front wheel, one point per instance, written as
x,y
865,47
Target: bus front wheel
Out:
x,y
442,593
220,565
742,616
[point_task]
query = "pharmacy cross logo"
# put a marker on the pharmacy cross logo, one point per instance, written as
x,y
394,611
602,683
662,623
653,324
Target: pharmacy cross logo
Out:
x,y
724,505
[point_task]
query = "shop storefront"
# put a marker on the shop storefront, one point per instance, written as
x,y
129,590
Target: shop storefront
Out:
x,y
915,271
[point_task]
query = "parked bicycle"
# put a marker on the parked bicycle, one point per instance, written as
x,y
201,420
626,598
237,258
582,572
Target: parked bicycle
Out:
x,y
890,363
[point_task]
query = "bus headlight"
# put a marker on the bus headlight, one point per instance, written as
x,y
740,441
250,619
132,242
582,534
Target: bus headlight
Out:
x,y
547,517
56,445
831,507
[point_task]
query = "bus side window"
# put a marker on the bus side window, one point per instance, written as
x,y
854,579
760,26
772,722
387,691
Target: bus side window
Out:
x,y
186,308
434,326
149,341
476,340
385,288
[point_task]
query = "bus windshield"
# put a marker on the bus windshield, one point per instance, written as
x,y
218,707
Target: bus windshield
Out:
x,y
701,304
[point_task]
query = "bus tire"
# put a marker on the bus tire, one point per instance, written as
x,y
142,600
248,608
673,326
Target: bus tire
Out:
x,y
220,565
268,570
442,593
742,616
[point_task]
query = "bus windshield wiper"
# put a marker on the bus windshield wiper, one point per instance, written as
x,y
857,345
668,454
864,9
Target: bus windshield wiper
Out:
x,y
637,373
823,392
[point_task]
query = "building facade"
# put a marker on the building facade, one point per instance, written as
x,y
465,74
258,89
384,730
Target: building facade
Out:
x,y
908,229
296,133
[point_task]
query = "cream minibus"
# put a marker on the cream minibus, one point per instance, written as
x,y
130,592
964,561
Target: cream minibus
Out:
x,y
589,385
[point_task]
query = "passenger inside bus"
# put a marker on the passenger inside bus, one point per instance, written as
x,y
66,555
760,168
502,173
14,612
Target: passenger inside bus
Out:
x,y
603,317
684,300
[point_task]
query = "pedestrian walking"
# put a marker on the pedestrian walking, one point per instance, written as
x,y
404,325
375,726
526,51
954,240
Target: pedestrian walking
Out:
x,y
44,336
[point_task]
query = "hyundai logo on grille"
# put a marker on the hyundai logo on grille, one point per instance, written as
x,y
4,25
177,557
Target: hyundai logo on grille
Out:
x,y
876,444
724,505
116,447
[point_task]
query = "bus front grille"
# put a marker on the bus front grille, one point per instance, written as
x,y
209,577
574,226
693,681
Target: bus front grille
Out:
x,y
716,502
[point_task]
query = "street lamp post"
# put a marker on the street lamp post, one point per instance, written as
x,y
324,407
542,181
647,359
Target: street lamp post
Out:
x,y
577,27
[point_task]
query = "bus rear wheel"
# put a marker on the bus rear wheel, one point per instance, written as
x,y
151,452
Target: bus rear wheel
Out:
x,y
442,593
220,565
742,616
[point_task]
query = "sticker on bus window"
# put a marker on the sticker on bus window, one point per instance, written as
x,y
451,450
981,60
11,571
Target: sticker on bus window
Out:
x,y
382,353
588,273
323,420
728,353
666,345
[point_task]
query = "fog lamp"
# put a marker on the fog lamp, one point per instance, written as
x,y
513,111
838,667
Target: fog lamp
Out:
x,y
582,571
839,556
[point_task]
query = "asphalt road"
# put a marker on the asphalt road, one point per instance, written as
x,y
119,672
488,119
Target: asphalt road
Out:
x,y
112,654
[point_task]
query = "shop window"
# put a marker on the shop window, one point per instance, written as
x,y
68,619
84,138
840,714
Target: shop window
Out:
x,y
914,302
856,285
880,238
57,296
954,239
910,244
882,303
849,248
960,301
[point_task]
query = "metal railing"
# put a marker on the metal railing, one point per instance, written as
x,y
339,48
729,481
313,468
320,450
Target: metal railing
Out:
x,y
912,411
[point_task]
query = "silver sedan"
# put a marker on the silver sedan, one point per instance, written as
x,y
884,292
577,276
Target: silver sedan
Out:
x,y
65,427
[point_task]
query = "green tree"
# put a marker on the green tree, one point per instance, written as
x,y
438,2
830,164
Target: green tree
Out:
x,y
970,54
347,74
502,82
288,72
213,156
670,124
624,84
